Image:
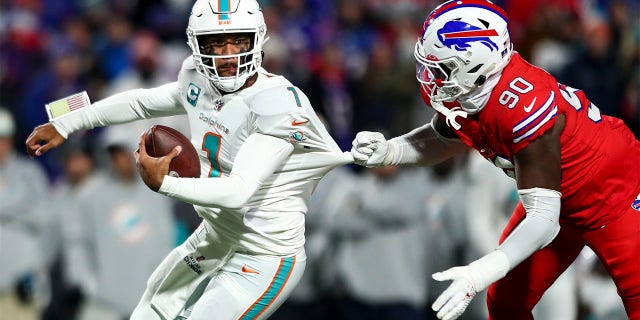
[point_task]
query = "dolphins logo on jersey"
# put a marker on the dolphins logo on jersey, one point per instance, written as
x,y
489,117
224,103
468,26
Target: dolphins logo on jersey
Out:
x,y
297,136
458,35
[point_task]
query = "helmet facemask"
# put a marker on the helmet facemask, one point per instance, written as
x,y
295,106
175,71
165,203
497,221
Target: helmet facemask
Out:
x,y
436,77
246,62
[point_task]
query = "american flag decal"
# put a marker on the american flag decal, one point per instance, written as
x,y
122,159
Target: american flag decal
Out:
x,y
67,105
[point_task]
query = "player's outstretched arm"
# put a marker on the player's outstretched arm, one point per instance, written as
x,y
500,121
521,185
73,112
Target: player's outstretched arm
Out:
x,y
120,108
123,107
42,139
424,146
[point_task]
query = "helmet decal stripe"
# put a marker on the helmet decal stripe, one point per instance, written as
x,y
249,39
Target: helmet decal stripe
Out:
x,y
469,34
223,6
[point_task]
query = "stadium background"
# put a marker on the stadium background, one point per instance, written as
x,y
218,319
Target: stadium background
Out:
x,y
354,59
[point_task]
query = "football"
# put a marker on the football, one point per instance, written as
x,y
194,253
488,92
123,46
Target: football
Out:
x,y
159,140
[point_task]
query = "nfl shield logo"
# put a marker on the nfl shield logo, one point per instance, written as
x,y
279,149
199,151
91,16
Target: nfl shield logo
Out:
x,y
218,104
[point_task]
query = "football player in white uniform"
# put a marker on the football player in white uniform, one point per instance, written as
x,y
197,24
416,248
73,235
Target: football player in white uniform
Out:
x,y
262,150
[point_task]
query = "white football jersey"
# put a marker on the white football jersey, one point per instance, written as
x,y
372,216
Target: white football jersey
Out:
x,y
272,221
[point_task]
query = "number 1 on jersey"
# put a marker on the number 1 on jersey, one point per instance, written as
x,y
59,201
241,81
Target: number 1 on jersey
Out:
x,y
211,145
295,95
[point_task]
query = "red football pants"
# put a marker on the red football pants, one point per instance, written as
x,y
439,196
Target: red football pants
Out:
x,y
617,245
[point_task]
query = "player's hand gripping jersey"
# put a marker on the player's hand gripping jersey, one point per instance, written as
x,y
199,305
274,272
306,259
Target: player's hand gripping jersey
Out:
x,y
523,105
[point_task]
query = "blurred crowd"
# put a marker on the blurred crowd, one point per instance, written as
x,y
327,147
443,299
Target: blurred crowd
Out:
x,y
80,233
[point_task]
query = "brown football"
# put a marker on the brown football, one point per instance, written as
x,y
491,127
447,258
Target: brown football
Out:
x,y
160,140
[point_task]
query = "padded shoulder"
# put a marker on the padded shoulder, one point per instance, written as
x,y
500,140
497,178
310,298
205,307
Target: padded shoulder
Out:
x,y
278,100
188,64
279,108
527,98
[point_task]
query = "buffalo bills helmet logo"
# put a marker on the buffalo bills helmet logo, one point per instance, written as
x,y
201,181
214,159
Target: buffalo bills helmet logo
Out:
x,y
458,35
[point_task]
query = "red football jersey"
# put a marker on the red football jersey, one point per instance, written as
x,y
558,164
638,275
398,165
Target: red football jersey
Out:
x,y
600,157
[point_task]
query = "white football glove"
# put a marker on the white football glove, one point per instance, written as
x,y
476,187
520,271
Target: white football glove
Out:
x,y
371,149
452,303
467,281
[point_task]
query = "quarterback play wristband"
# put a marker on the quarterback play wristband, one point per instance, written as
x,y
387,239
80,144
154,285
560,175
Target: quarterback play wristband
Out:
x,y
67,105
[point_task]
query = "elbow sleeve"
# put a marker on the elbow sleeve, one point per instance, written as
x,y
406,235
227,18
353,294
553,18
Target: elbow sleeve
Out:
x,y
540,226
424,146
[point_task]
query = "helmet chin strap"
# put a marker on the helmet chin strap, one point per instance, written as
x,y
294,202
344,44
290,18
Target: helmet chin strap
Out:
x,y
449,114
476,100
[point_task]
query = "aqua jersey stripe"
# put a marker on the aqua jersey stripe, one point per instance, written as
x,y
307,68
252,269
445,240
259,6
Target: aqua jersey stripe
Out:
x,y
272,292
224,7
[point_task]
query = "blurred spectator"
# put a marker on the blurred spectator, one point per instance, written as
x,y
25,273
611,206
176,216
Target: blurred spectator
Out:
x,y
596,72
62,78
524,14
329,88
383,96
552,41
118,223
381,258
79,176
22,41
112,47
24,223
356,35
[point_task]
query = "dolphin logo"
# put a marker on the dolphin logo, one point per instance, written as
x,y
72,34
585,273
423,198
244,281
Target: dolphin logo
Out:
x,y
458,35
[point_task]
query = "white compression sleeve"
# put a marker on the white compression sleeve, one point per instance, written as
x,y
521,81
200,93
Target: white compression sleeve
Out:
x,y
123,107
256,160
539,227
423,146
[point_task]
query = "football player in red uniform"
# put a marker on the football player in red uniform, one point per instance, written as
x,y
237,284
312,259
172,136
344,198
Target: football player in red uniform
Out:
x,y
577,170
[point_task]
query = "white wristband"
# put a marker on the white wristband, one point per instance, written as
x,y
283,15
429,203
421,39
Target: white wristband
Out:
x,y
401,151
489,269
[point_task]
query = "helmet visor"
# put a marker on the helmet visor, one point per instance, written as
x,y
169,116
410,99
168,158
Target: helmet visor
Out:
x,y
436,76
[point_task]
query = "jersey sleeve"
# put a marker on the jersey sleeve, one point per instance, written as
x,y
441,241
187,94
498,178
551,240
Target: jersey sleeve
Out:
x,y
282,112
123,107
530,117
